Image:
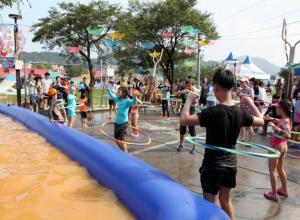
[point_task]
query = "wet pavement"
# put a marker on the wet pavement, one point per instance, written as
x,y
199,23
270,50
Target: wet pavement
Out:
x,y
252,179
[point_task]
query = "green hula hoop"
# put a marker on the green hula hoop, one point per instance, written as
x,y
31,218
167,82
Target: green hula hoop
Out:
x,y
297,143
60,106
274,153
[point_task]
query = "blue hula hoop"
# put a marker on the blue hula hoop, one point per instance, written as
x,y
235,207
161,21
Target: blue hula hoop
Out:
x,y
274,153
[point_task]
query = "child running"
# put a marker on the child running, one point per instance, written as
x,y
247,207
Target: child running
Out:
x,y
83,110
72,104
223,123
281,127
124,103
53,111
134,111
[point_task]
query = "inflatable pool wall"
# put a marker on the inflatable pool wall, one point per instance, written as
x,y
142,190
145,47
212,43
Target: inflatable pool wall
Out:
x,y
144,190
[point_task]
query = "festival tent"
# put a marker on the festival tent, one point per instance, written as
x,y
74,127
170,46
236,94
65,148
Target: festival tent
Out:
x,y
229,57
245,69
295,68
250,70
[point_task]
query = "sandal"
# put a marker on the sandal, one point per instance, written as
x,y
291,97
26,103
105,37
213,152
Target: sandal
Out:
x,y
282,192
271,196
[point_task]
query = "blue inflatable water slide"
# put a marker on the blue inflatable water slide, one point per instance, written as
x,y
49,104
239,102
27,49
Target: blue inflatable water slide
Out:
x,y
144,190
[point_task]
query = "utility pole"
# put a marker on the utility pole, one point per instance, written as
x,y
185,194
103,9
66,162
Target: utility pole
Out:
x,y
199,62
290,60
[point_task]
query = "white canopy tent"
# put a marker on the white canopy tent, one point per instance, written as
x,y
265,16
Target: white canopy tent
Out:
x,y
250,70
245,69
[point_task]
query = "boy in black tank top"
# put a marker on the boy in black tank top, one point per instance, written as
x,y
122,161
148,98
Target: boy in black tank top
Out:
x,y
222,123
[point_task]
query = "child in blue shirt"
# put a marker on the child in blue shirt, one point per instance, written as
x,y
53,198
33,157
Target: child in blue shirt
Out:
x,y
124,103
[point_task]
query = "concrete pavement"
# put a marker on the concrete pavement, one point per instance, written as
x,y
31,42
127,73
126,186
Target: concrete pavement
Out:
x,y
252,180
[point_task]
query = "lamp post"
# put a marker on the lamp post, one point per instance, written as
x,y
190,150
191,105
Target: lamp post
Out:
x,y
18,77
199,62
234,69
234,61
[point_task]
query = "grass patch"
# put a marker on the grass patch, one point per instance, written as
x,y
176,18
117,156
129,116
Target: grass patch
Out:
x,y
97,93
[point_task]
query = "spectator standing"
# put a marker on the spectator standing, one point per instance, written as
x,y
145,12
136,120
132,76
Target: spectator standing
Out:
x,y
46,84
60,89
34,89
211,98
112,104
203,95
85,90
278,89
245,91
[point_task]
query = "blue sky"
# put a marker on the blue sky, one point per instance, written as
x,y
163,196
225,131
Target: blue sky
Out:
x,y
247,27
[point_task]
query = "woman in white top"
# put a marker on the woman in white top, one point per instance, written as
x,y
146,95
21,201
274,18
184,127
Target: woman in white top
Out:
x,y
34,88
112,105
46,84
211,98
262,95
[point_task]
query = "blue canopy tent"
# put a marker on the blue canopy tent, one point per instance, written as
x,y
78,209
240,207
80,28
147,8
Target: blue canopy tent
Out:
x,y
229,58
296,69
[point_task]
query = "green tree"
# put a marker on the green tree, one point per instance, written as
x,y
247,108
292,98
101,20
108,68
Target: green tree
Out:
x,y
10,3
41,66
74,70
208,71
70,25
153,18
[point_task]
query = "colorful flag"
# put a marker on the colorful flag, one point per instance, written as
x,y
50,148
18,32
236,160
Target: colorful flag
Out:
x,y
73,49
167,35
154,54
113,44
148,45
95,31
117,36
186,29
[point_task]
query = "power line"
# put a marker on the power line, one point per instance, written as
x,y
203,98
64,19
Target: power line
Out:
x,y
262,29
270,18
244,9
261,38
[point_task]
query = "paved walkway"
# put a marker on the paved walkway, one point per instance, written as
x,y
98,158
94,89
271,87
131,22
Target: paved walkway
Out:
x,y
252,179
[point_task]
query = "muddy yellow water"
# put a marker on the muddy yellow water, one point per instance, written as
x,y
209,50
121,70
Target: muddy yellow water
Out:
x,y
39,182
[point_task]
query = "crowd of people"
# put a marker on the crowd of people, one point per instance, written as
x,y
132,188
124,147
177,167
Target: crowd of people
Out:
x,y
223,123
58,97
227,110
